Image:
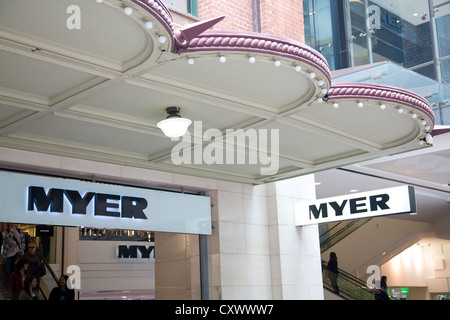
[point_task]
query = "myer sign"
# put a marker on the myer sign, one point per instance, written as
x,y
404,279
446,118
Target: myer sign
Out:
x,y
66,202
356,206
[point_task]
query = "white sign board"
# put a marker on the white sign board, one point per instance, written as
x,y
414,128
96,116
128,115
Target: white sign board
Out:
x,y
389,201
65,202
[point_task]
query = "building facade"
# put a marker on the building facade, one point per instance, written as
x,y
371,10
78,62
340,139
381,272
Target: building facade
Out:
x,y
81,112
356,33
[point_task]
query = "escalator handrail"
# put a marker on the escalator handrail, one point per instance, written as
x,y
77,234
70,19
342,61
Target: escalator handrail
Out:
x,y
347,226
49,268
350,278
354,280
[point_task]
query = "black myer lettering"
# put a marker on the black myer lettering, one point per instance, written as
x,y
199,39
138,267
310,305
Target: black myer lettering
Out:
x,y
104,204
133,207
338,209
316,212
356,205
79,203
132,251
43,201
107,205
379,201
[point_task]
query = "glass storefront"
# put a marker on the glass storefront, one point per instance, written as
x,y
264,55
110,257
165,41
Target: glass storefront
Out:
x,y
358,32
353,33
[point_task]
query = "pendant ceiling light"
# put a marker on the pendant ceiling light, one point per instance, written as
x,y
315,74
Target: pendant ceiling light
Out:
x,y
174,126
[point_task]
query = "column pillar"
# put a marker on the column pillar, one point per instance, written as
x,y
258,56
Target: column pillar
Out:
x,y
295,251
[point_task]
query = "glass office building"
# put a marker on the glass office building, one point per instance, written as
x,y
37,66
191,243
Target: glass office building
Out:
x,y
412,34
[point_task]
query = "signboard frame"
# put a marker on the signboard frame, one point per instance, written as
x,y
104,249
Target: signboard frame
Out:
x,y
35,199
384,202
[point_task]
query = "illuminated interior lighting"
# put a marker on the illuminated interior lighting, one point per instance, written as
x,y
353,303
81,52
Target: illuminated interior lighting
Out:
x,y
174,126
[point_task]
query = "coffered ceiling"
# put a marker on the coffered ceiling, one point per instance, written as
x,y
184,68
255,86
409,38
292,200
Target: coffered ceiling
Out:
x,y
97,90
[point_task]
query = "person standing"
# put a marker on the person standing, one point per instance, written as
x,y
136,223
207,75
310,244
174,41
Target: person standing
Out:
x,y
333,271
36,265
381,293
17,278
13,248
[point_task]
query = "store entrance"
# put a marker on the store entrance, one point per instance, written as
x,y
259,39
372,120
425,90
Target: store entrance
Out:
x,y
112,263
34,243
108,255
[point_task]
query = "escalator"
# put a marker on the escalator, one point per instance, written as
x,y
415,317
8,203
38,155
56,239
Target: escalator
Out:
x,y
330,236
350,287
47,283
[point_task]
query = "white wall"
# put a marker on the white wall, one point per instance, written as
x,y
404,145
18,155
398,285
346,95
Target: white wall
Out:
x,y
425,264
102,270
375,243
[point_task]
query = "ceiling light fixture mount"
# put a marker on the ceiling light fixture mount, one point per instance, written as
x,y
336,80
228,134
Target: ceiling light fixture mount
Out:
x,y
174,126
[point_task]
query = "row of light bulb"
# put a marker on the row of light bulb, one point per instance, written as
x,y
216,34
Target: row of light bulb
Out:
x,y
148,24
383,107
277,63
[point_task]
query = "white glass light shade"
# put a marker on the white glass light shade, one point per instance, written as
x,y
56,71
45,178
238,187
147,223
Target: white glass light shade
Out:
x,y
174,127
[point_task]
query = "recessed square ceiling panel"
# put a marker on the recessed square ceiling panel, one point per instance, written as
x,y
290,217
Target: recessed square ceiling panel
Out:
x,y
299,141
37,77
149,104
71,132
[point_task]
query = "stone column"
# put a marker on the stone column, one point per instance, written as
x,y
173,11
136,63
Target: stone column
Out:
x,y
294,251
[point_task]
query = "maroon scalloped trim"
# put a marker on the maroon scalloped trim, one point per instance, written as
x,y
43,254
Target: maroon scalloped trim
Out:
x,y
257,43
268,44
382,93
159,11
